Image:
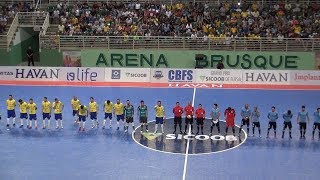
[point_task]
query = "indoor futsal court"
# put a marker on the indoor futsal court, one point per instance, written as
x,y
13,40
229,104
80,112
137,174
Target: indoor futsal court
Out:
x,y
110,154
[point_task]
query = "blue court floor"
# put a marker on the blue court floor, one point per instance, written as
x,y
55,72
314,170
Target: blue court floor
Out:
x,y
111,154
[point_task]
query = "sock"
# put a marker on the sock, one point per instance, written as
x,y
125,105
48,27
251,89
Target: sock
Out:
x,y
290,132
156,128
75,118
92,123
240,129
319,134
61,123
197,129
104,122
162,128
141,127
147,127
48,123
226,130
300,133
83,124
248,129
201,129
14,120
313,133
57,123
304,132
44,123
211,129
233,131
35,123
30,123
185,128
27,121
259,131
253,130
117,123
21,122
180,127
133,126
218,129
110,122
191,128
175,128
8,121
282,133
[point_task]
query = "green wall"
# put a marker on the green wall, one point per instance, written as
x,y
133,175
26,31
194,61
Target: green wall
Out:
x,y
186,59
50,58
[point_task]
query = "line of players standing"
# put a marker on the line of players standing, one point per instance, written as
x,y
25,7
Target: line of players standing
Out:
x,y
125,113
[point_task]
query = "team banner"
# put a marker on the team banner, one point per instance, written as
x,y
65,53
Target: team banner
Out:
x,y
127,75
172,75
219,76
305,77
160,77
271,77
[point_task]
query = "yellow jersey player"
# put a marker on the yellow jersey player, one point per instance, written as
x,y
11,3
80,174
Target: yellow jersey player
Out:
x,y
11,105
57,109
23,112
93,110
119,112
160,116
83,113
108,106
32,107
75,104
46,112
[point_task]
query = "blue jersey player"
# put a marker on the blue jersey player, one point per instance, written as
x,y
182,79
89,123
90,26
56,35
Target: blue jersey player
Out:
x,y
302,119
316,124
245,115
255,117
273,117
287,116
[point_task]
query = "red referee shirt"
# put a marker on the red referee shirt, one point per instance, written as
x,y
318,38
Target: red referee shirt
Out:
x,y
200,113
177,111
189,110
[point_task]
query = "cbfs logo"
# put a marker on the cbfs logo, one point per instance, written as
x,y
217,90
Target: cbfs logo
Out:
x,y
180,75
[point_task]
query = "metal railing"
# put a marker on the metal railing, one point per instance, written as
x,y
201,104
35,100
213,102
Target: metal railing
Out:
x,y
45,25
238,44
214,2
5,40
32,19
16,1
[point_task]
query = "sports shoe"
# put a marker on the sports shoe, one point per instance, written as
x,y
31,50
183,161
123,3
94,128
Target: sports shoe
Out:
x,y
103,127
110,126
57,127
210,134
8,125
36,127
61,127
174,132
21,126
141,131
79,128
14,125
147,130
44,127
118,128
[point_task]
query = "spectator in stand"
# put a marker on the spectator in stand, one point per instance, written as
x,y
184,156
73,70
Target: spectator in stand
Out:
x,y
220,65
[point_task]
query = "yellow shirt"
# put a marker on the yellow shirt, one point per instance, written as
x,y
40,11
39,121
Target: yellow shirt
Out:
x,y
159,111
32,108
75,104
11,104
118,108
83,112
46,107
57,107
108,107
93,107
23,107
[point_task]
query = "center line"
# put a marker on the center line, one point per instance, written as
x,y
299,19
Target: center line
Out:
x,y
188,143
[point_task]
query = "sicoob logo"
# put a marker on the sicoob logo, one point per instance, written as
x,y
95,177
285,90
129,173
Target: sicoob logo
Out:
x,y
115,74
199,144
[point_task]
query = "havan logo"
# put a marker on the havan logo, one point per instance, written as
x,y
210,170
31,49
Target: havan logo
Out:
x,y
39,73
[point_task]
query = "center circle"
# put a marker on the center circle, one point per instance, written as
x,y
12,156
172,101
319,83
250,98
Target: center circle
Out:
x,y
198,143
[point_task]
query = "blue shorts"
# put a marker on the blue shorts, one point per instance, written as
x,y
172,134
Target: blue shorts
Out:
x,y
58,116
11,114
159,120
107,115
93,115
82,118
74,112
120,117
32,117
46,116
23,116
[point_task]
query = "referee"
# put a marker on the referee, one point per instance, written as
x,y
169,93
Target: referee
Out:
x,y
177,111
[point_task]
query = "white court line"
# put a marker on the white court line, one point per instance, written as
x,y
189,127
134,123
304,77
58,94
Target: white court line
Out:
x,y
188,143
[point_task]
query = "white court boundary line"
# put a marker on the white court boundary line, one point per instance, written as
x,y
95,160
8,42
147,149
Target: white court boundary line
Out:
x,y
188,143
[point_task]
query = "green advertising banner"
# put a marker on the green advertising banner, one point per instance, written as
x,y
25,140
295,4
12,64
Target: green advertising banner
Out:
x,y
208,59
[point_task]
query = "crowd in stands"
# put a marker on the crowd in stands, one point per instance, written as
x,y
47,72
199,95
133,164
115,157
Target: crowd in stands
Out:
x,y
7,13
189,20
